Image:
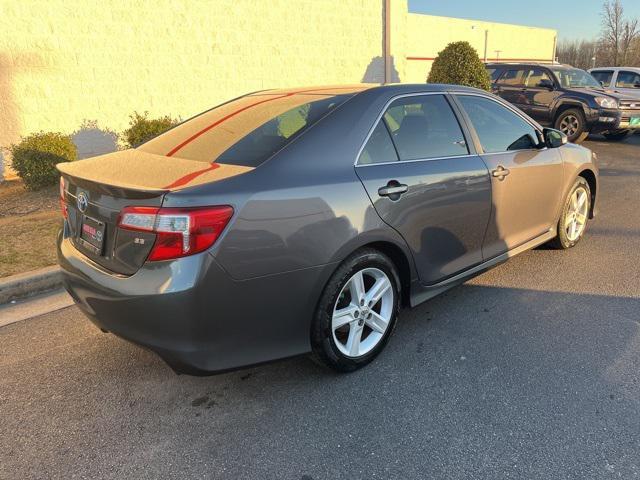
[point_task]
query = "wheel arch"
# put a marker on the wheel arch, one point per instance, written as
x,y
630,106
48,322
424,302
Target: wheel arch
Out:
x,y
590,176
401,262
564,105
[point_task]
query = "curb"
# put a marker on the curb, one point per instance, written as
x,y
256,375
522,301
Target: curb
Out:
x,y
26,284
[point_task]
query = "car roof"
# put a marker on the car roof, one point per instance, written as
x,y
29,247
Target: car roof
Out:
x,y
633,69
529,64
394,88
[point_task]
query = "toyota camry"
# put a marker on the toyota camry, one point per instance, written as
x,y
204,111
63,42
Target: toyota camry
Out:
x,y
287,222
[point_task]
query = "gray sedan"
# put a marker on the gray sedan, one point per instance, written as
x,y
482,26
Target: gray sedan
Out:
x,y
295,221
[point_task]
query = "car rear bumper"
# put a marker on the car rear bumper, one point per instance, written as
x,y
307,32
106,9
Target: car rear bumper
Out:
x,y
192,313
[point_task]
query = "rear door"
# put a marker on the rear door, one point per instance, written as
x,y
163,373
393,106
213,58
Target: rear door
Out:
x,y
511,87
526,181
426,183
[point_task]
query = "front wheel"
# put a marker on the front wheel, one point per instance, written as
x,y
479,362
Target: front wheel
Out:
x,y
617,135
357,311
573,124
574,216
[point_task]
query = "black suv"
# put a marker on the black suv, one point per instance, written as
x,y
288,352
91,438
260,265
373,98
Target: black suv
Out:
x,y
566,98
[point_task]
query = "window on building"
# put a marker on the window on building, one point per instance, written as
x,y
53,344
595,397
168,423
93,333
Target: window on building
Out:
x,y
498,128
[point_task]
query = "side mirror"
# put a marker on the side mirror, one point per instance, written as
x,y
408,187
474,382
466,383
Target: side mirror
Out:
x,y
546,83
554,138
602,83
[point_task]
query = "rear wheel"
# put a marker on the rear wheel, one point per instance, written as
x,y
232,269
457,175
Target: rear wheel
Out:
x,y
575,213
617,135
357,311
571,122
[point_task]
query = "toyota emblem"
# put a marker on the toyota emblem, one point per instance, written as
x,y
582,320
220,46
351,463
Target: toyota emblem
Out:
x,y
82,201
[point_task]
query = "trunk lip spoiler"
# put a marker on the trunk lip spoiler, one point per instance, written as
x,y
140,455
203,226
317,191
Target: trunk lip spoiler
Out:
x,y
112,185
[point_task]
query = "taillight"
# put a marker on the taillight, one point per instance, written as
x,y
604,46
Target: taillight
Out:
x,y
63,204
179,231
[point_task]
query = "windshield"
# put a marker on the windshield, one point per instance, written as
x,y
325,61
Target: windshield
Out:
x,y
245,131
575,78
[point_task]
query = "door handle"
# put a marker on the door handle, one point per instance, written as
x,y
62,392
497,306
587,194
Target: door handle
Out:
x,y
500,172
392,189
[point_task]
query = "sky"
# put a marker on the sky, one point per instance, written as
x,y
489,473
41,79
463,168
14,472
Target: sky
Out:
x,y
574,20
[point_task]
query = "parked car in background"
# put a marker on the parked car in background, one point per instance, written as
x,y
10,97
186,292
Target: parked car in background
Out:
x,y
296,221
624,80
566,98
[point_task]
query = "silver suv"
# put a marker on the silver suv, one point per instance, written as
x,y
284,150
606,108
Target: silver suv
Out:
x,y
620,79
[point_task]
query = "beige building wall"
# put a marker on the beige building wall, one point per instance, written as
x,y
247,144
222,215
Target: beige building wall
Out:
x,y
430,34
65,61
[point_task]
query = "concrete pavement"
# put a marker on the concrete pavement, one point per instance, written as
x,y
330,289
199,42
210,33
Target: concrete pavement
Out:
x,y
528,371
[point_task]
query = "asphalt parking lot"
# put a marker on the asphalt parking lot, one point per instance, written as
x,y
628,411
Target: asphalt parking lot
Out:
x,y
529,371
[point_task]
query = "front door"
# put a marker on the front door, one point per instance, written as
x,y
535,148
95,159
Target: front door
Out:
x,y
628,83
424,182
526,181
539,95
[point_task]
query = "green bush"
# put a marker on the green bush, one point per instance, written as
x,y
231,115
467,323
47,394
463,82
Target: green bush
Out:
x,y
460,64
142,128
35,157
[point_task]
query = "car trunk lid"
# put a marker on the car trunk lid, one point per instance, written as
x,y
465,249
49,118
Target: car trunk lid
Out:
x,y
97,189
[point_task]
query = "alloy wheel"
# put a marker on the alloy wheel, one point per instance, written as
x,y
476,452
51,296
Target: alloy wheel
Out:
x,y
576,218
362,312
570,125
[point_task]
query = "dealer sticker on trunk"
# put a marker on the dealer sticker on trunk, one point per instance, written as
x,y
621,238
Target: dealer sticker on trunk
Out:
x,y
92,234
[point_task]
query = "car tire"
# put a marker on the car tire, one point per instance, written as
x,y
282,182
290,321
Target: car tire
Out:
x,y
335,332
574,214
572,123
617,135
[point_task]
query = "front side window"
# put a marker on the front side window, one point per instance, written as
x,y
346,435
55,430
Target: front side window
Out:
x,y
628,80
603,76
513,77
536,76
245,131
424,127
498,128
575,78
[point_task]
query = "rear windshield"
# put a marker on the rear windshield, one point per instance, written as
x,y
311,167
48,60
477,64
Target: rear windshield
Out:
x,y
245,131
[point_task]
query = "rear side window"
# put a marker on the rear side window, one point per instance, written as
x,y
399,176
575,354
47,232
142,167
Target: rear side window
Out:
x,y
498,128
603,76
245,131
494,73
628,80
513,77
379,147
424,127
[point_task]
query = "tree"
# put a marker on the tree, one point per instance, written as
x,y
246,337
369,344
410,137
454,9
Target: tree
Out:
x,y
619,35
460,64
579,53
